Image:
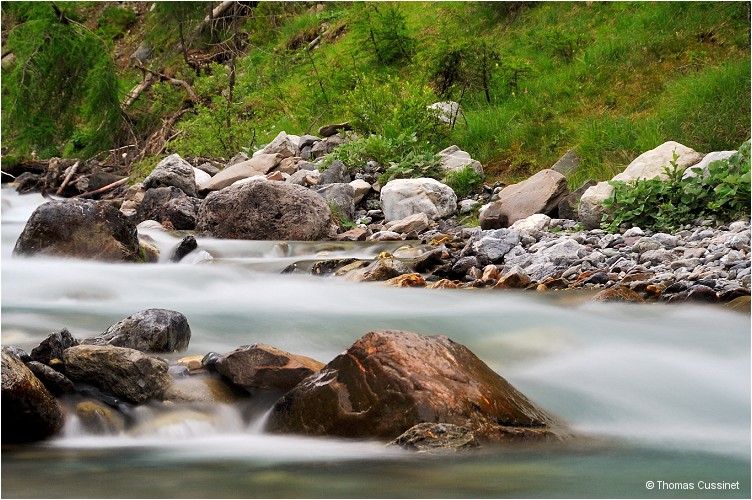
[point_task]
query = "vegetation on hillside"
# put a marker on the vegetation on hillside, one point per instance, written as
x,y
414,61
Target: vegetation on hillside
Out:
x,y
609,80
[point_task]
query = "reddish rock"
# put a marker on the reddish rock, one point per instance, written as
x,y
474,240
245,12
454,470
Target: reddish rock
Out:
x,y
262,366
412,280
389,381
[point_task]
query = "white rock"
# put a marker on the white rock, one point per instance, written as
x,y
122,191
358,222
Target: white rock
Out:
x,y
416,222
705,163
454,159
402,198
201,177
646,166
362,188
534,223
283,145
446,111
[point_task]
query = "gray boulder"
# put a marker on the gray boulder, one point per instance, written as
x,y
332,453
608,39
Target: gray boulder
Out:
x,y
169,204
30,412
150,330
493,245
453,159
173,171
79,228
127,373
401,198
568,164
341,196
702,166
261,210
539,194
336,173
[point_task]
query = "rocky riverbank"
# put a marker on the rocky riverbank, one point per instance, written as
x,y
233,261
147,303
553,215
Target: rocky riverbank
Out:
x,y
534,235
388,383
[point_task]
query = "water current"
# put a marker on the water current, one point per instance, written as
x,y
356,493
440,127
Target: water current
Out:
x,y
662,392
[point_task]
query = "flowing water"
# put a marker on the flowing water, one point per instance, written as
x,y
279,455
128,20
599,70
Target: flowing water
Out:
x,y
662,392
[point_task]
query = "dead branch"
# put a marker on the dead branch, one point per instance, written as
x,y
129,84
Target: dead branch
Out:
x,y
138,90
67,179
174,81
106,188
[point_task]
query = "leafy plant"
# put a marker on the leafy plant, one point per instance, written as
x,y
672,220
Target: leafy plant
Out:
x,y
413,165
722,193
464,181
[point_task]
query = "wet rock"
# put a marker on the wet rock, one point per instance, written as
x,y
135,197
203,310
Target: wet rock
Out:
x,y
539,194
381,269
402,198
17,352
169,204
264,211
412,280
150,330
389,381
514,278
98,418
258,165
53,346
617,294
354,234
81,229
127,373
385,236
54,381
29,411
265,367
209,388
430,437
173,171
186,246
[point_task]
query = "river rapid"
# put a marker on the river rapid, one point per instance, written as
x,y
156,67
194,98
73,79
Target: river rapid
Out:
x,y
662,392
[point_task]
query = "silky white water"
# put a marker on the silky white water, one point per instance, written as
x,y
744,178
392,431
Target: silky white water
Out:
x,y
665,390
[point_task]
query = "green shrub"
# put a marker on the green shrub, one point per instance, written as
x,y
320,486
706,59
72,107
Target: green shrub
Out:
x,y
722,193
381,29
390,107
464,181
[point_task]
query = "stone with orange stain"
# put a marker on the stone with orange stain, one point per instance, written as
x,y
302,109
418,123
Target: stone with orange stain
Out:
x,y
389,381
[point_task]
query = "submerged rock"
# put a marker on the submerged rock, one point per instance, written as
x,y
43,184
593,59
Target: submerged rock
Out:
x,y
389,381
430,437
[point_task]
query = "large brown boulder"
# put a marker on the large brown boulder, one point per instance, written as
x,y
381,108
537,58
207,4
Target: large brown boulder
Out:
x,y
29,411
389,381
539,194
127,373
150,330
79,228
262,366
261,210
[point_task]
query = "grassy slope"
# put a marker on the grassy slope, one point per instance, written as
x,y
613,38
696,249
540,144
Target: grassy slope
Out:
x,y
642,74
639,74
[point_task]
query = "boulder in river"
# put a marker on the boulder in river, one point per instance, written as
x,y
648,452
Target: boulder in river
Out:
x,y
169,204
261,210
29,411
81,229
127,373
262,366
150,330
389,381
53,346
430,437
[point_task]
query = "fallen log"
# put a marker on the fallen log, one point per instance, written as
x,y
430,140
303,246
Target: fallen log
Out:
x,y
68,177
